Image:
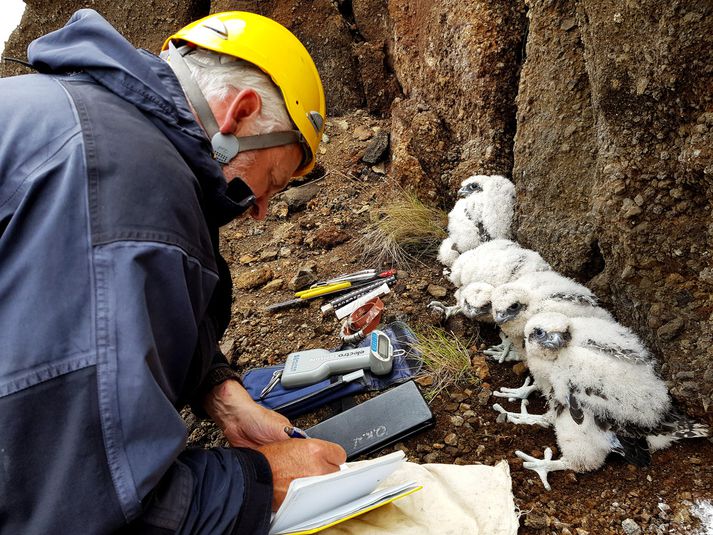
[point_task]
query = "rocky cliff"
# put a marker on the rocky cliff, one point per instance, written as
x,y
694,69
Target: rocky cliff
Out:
x,y
601,111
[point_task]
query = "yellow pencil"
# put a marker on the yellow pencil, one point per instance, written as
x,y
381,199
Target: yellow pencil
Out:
x,y
323,290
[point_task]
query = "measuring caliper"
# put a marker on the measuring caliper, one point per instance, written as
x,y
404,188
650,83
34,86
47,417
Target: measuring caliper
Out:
x,y
313,365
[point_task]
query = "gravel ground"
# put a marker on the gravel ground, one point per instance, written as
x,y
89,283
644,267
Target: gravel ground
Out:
x,y
319,228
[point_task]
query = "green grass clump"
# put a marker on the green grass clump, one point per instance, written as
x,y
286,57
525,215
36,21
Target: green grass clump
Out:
x,y
403,230
446,360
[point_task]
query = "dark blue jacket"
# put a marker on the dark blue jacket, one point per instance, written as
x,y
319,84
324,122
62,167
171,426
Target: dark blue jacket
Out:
x,y
112,298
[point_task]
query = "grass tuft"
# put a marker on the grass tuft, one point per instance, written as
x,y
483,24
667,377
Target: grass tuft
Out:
x,y
403,230
446,360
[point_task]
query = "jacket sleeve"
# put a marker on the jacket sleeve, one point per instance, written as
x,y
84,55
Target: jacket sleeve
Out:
x,y
213,366
217,491
165,328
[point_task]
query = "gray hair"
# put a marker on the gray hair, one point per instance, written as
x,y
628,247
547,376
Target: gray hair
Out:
x,y
216,74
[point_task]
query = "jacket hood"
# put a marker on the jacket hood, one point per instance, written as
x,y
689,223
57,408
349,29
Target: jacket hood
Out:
x,y
89,44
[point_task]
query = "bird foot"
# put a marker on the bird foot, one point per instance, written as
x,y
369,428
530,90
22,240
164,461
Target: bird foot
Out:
x,y
523,417
513,394
439,310
503,352
542,466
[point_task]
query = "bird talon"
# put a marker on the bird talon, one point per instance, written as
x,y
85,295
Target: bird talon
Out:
x,y
541,466
436,307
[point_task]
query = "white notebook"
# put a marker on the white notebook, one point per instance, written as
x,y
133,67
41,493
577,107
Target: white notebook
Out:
x,y
315,503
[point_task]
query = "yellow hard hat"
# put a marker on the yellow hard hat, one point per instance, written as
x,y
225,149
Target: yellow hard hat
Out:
x,y
277,52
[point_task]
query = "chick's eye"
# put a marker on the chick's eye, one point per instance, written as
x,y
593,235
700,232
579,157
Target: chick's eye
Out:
x,y
539,333
514,307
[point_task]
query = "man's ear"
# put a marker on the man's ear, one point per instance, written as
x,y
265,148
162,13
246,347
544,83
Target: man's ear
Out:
x,y
245,104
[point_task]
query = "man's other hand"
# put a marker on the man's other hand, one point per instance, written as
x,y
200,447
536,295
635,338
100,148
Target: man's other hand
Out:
x,y
295,458
244,422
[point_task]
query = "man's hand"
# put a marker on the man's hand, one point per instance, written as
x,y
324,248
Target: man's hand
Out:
x,y
294,458
244,422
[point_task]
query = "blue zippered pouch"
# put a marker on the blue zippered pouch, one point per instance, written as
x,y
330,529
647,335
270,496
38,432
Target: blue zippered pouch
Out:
x,y
294,402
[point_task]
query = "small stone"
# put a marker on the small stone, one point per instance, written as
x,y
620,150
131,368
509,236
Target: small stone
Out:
x,y
536,521
671,330
280,209
268,255
431,457
424,380
437,291
632,211
484,396
285,252
329,237
226,347
457,420
379,169
305,276
519,369
247,259
362,133
568,24
377,148
254,278
297,198
630,527
273,285
480,367
458,397
451,439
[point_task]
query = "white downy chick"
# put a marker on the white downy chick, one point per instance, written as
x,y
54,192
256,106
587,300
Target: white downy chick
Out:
x,y
483,212
604,394
514,303
495,262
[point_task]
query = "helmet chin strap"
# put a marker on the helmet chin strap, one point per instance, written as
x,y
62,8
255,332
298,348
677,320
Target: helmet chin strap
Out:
x,y
225,146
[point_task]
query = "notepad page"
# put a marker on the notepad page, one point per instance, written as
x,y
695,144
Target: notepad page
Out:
x,y
348,510
310,497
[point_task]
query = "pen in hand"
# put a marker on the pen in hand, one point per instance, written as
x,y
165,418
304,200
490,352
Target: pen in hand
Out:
x,y
295,432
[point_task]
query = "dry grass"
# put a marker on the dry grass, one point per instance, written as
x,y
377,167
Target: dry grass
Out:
x,y
403,230
446,360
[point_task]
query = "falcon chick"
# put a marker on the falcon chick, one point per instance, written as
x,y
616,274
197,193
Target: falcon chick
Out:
x,y
516,302
495,262
483,212
492,264
473,301
603,394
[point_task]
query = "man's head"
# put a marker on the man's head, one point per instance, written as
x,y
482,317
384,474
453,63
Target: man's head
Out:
x,y
262,88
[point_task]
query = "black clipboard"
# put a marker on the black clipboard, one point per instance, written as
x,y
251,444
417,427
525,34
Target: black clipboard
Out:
x,y
378,422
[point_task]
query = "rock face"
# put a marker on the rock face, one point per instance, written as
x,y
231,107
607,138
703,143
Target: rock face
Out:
x,y
601,111
145,24
614,168
457,64
555,144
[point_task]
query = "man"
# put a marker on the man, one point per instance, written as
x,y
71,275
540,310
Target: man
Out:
x,y
113,295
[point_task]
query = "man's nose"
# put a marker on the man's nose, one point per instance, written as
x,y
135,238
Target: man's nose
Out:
x,y
259,209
